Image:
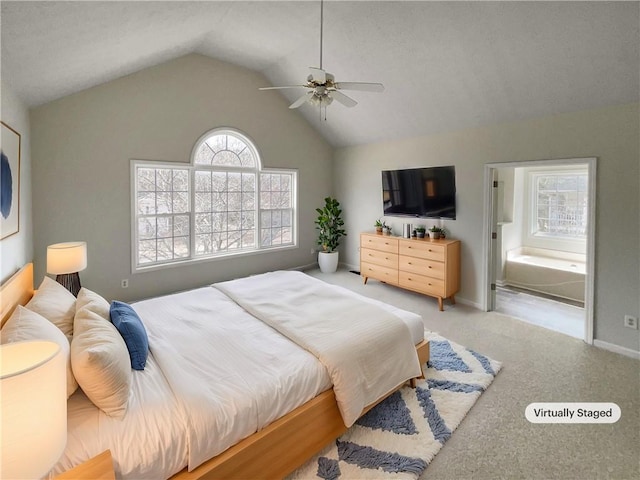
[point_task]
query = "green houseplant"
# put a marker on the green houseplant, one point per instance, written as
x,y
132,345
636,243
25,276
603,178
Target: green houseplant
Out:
x,y
379,225
329,225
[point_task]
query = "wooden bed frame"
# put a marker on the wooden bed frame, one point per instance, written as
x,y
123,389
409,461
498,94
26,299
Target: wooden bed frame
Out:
x,y
274,451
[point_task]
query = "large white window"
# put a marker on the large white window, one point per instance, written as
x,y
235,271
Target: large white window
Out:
x,y
560,204
222,204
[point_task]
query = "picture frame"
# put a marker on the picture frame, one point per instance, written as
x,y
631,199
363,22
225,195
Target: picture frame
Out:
x,y
10,148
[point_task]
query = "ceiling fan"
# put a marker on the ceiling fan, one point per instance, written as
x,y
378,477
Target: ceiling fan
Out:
x,y
322,87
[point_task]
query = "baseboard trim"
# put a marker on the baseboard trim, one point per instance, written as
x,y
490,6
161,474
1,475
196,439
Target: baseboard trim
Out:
x,y
468,302
612,347
302,268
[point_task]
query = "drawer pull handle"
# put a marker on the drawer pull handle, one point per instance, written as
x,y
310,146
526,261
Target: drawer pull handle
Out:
x,y
410,263
428,267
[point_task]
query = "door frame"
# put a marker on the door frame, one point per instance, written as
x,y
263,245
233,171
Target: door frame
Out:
x,y
489,276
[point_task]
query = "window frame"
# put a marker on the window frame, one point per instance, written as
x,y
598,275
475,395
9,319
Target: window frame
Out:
x,y
192,168
543,239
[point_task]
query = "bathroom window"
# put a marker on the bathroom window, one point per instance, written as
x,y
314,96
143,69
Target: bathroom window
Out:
x,y
559,206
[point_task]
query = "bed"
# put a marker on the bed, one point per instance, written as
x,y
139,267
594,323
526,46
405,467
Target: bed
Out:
x,y
284,408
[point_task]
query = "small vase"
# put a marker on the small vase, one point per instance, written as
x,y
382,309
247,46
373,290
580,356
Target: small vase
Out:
x,y
420,234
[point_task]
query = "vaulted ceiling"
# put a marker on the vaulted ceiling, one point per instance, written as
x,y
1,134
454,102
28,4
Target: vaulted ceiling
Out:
x,y
445,65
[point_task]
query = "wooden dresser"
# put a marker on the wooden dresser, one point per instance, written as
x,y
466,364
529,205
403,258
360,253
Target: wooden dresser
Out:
x,y
431,267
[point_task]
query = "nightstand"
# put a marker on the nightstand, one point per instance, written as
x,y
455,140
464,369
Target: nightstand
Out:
x,y
99,467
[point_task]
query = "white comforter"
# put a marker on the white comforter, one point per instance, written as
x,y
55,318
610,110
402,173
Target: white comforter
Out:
x,y
373,354
231,373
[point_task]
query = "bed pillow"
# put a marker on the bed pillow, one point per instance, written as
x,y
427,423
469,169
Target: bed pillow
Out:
x,y
25,325
56,304
100,360
93,302
128,323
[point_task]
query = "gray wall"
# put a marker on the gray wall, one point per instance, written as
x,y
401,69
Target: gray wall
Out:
x,y
612,135
83,143
17,249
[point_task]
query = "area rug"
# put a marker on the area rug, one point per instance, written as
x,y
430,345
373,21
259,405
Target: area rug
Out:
x,y
400,436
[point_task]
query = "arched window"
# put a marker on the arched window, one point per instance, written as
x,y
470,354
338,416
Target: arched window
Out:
x,y
224,203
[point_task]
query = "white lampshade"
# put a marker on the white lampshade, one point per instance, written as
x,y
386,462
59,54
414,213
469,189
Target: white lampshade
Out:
x,y
33,404
68,257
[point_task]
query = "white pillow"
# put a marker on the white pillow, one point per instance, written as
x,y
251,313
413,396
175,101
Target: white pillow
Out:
x,y
56,304
24,325
94,302
99,357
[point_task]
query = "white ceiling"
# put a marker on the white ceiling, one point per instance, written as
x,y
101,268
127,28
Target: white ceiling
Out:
x,y
445,65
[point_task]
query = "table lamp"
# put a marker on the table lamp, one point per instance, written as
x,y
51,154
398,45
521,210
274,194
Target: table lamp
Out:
x,y
33,408
65,260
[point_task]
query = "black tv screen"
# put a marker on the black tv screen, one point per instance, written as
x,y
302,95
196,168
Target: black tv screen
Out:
x,y
428,192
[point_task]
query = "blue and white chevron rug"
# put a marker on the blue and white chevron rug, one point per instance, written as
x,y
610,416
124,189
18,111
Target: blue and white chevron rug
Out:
x,y
400,436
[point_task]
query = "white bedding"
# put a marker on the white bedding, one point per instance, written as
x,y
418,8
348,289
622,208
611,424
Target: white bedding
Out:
x,y
367,351
233,374
215,374
149,442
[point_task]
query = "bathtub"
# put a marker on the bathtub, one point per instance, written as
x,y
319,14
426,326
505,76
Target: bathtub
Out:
x,y
552,272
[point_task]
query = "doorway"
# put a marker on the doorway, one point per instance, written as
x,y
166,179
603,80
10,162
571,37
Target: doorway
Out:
x,y
539,242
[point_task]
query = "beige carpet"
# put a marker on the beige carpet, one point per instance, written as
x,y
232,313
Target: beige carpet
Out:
x,y
495,440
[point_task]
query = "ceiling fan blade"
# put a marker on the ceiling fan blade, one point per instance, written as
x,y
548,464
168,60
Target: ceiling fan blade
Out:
x,y
363,87
301,100
343,99
284,86
318,74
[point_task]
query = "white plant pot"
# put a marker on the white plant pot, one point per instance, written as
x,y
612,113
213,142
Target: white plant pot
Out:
x,y
328,261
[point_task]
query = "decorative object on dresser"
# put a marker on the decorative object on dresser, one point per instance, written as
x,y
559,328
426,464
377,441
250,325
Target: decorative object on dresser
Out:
x,y
329,224
65,260
34,408
379,226
431,267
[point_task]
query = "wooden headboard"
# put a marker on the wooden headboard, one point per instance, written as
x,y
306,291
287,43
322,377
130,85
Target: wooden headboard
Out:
x,y
18,290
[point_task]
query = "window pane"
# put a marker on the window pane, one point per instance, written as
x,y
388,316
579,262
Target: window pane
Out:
x,y
226,158
180,202
203,244
203,202
181,247
204,155
248,182
561,205
146,179
165,227
203,223
163,202
146,203
248,239
181,225
248,201
203,181
147,228
146,251
219,182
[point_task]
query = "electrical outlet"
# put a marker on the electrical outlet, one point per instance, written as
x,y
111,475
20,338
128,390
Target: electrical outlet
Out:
x,y
313,250
124,283
630,322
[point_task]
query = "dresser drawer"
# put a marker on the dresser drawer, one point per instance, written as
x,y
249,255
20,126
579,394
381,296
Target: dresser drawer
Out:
x,y
378,257
379,242
422,249
422,266
421,283
385,274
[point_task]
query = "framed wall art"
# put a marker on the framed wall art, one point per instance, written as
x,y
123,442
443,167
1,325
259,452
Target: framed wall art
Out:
x,y
9,181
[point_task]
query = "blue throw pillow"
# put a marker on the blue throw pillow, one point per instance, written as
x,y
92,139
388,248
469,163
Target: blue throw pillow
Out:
x,y
128,323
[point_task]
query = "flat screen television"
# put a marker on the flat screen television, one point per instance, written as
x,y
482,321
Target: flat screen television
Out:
x,y
427,192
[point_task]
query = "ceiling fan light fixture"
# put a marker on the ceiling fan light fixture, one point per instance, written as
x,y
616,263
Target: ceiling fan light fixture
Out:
x,y
323,88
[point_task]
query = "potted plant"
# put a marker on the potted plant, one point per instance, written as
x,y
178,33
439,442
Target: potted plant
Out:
x,y
436,232
386,229
329,224
420,232
379,226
